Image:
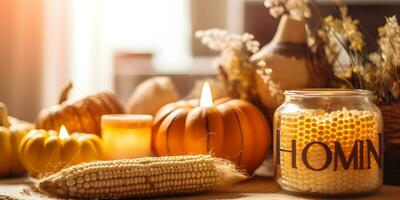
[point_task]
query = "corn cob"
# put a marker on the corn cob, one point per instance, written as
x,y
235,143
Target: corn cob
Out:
x,y
142,177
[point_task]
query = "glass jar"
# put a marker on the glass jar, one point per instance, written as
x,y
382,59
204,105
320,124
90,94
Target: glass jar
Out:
x,y
328,142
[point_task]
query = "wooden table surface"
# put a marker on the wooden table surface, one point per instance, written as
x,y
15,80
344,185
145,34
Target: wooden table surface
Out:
x,y
254,188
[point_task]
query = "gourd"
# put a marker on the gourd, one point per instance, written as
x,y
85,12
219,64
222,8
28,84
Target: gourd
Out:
x,y
152,94
231,129
83,115
142,177
44,152
11,132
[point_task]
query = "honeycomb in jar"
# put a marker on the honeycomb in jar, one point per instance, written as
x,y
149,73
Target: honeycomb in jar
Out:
x,y
344,126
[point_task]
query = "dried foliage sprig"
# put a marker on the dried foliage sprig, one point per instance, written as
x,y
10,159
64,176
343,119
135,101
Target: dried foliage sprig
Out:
x,y
346,29
389,43
345,46
234,63
219,40
387,58
295,8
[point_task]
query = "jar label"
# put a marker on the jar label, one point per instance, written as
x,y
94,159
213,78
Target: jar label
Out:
x,y
359,155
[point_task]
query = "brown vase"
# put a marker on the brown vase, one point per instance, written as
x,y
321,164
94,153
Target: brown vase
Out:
x,y
391,128
288,56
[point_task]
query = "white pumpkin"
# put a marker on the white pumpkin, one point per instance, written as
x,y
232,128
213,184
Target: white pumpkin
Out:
x,y
152,94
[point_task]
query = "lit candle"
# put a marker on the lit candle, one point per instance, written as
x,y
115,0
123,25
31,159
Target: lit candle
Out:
x,y
206,99
63,134
126,136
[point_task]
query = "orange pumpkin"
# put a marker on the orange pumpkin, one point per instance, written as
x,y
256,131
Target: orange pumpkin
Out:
x,y
79,116
232,129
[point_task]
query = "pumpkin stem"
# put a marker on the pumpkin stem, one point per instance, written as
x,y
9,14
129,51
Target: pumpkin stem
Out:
x,y
65,92
4,115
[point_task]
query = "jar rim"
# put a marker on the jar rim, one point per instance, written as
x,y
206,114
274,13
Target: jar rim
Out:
x,y
326,92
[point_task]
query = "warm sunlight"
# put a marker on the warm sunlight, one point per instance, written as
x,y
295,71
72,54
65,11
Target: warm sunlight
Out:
x,y
286,96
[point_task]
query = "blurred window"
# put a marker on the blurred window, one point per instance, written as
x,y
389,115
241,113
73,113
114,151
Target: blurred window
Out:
x,y
98,29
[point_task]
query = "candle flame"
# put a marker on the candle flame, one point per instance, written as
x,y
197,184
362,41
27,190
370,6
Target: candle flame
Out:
x,y
63,133
206,99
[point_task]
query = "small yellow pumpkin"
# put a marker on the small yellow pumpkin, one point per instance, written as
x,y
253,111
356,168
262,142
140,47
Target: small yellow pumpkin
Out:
x,y
11,132
45,152
231,129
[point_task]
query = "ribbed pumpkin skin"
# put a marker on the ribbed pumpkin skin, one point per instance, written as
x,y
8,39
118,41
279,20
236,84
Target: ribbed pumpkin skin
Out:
x,y
231,129
11,132
42,152
80,116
